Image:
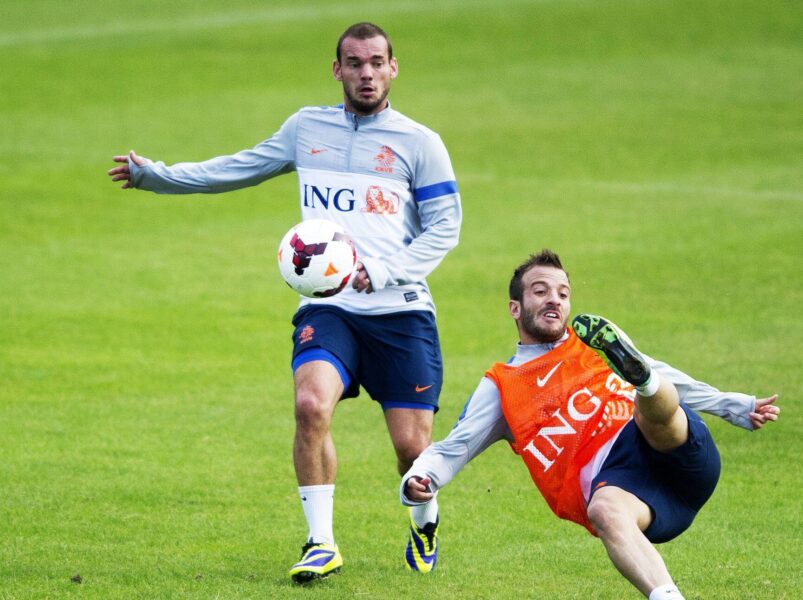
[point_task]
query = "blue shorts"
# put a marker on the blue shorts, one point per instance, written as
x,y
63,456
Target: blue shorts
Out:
x,y
395,357
675,484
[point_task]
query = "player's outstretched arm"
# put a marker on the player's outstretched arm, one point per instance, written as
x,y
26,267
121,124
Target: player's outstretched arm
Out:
x,y
765,411
480,425
743,410
122,173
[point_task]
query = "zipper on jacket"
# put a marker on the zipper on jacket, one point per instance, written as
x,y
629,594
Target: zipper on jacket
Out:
x,y
351,141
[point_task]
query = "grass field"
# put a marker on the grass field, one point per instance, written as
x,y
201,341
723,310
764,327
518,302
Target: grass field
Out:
x,y
145,395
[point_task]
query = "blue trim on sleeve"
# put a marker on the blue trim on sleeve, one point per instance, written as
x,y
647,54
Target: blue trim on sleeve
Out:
x,y
435,190
321,354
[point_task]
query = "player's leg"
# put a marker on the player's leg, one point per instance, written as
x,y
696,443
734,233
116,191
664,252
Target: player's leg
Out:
x,y
628,504
642,496
658,413
619,518
660,418
324,356
318,387
411,432
403,370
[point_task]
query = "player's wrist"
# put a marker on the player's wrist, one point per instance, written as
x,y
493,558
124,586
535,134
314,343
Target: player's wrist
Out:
x,y
377,272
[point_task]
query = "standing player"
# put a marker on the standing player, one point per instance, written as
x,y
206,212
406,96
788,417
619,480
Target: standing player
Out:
x,y
607,434
388,181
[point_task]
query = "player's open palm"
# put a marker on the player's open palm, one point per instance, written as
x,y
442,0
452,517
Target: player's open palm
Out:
x,y
122,173
765,411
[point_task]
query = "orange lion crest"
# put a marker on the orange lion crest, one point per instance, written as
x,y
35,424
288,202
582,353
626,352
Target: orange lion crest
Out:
x,y
385,160
378,203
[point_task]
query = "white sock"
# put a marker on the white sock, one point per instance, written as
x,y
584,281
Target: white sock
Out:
x,y
650,388
666,592
318,504
425,513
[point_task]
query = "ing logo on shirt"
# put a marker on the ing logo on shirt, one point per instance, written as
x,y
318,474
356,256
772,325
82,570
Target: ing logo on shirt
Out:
x,y
618,410
385,160
380,202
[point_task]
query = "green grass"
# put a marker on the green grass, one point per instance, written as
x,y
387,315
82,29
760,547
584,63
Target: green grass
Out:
x,y
145,394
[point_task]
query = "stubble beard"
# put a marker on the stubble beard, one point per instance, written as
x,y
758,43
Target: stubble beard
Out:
x,y
541,335
363,107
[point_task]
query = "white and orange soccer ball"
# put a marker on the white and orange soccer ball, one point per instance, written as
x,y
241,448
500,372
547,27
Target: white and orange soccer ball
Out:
x,y
317,258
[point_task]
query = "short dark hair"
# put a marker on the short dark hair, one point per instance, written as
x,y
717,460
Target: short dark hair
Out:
x,y
363,31
545,258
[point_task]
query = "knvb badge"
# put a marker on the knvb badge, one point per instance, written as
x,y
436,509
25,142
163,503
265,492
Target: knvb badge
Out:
x,y
385,160
306,334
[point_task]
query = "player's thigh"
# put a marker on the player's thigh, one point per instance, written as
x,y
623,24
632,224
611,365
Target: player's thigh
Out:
x,y
318,387
674,484
662,421
325,334
692,470
401,364
410,429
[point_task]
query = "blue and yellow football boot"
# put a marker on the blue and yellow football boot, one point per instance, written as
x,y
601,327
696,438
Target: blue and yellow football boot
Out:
x,y
317,561
422,547
613,345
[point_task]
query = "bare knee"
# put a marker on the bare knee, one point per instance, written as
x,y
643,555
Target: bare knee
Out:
x,y
408,449
317,389
406,457
604,514
312,411
411,433
613,511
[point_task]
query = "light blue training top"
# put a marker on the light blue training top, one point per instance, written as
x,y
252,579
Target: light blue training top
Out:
x,y
387,180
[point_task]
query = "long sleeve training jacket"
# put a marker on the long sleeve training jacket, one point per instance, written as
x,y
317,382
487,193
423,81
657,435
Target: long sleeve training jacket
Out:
x,y
387,180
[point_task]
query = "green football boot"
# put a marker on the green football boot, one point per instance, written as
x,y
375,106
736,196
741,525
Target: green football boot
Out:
x,y
422,547
615,348
317,561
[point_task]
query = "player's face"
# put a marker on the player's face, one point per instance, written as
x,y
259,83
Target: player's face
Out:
x,y
544,309
365,71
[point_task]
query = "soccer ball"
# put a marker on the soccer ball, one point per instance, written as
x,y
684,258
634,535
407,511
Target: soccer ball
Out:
x,y
317,258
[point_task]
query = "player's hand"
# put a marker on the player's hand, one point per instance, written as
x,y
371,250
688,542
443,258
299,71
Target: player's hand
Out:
x,y
122,173
361,282
765,411
417,489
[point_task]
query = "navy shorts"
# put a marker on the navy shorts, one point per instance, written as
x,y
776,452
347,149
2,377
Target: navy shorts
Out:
x,y
395,357
675,484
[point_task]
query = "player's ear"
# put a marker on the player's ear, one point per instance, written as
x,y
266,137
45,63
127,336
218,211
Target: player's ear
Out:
x,y
394,68
336,70
514,306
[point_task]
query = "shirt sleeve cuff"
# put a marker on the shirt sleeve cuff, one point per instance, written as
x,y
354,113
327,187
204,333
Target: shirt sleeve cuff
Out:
x,y
377,272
